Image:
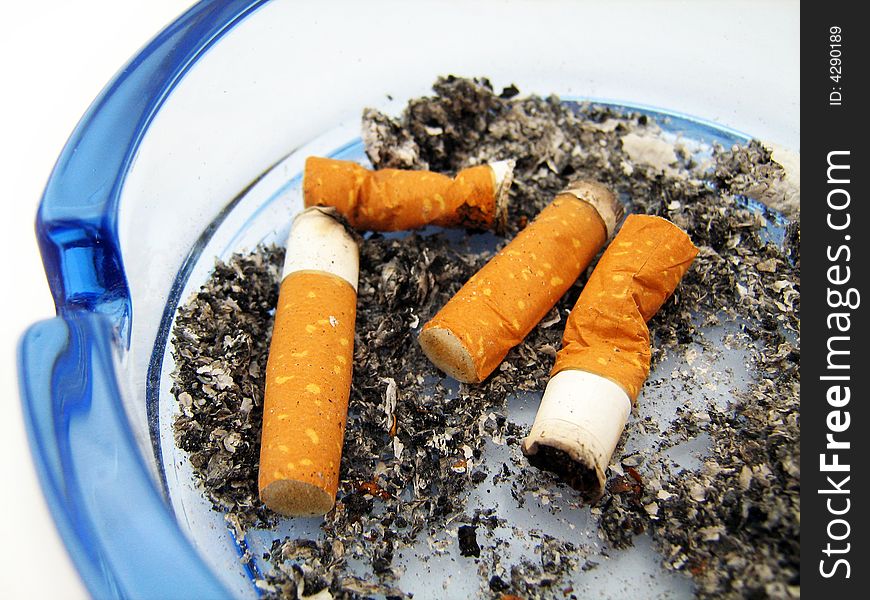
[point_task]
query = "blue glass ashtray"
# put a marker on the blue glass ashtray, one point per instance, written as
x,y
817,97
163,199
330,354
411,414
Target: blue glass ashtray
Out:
x,y
193,152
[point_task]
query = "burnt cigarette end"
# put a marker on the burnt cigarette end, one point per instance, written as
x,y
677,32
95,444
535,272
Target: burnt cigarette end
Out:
x,y
503,175
602,199
582,475
578,425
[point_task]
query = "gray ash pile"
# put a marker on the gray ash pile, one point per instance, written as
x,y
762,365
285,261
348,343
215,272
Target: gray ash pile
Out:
x,y
415,443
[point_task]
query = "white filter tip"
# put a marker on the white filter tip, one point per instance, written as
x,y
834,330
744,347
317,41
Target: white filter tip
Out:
x,y
318,241
582,415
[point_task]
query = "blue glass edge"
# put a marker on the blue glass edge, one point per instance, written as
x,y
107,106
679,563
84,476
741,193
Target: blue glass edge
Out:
x,y
76,229
76,225
122,538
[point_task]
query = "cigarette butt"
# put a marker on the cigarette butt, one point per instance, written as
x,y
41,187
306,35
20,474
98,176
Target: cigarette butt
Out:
x,y
309,370
502,302
395,200
605,355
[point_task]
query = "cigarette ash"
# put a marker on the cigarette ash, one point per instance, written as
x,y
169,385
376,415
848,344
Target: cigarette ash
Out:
x,y
220,345
425,458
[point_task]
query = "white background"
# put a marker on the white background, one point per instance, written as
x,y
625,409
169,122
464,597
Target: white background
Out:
x,y
55,57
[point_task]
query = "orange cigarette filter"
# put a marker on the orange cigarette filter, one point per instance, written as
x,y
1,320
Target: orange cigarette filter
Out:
x,y
607,332
501,303
395,200
308,374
